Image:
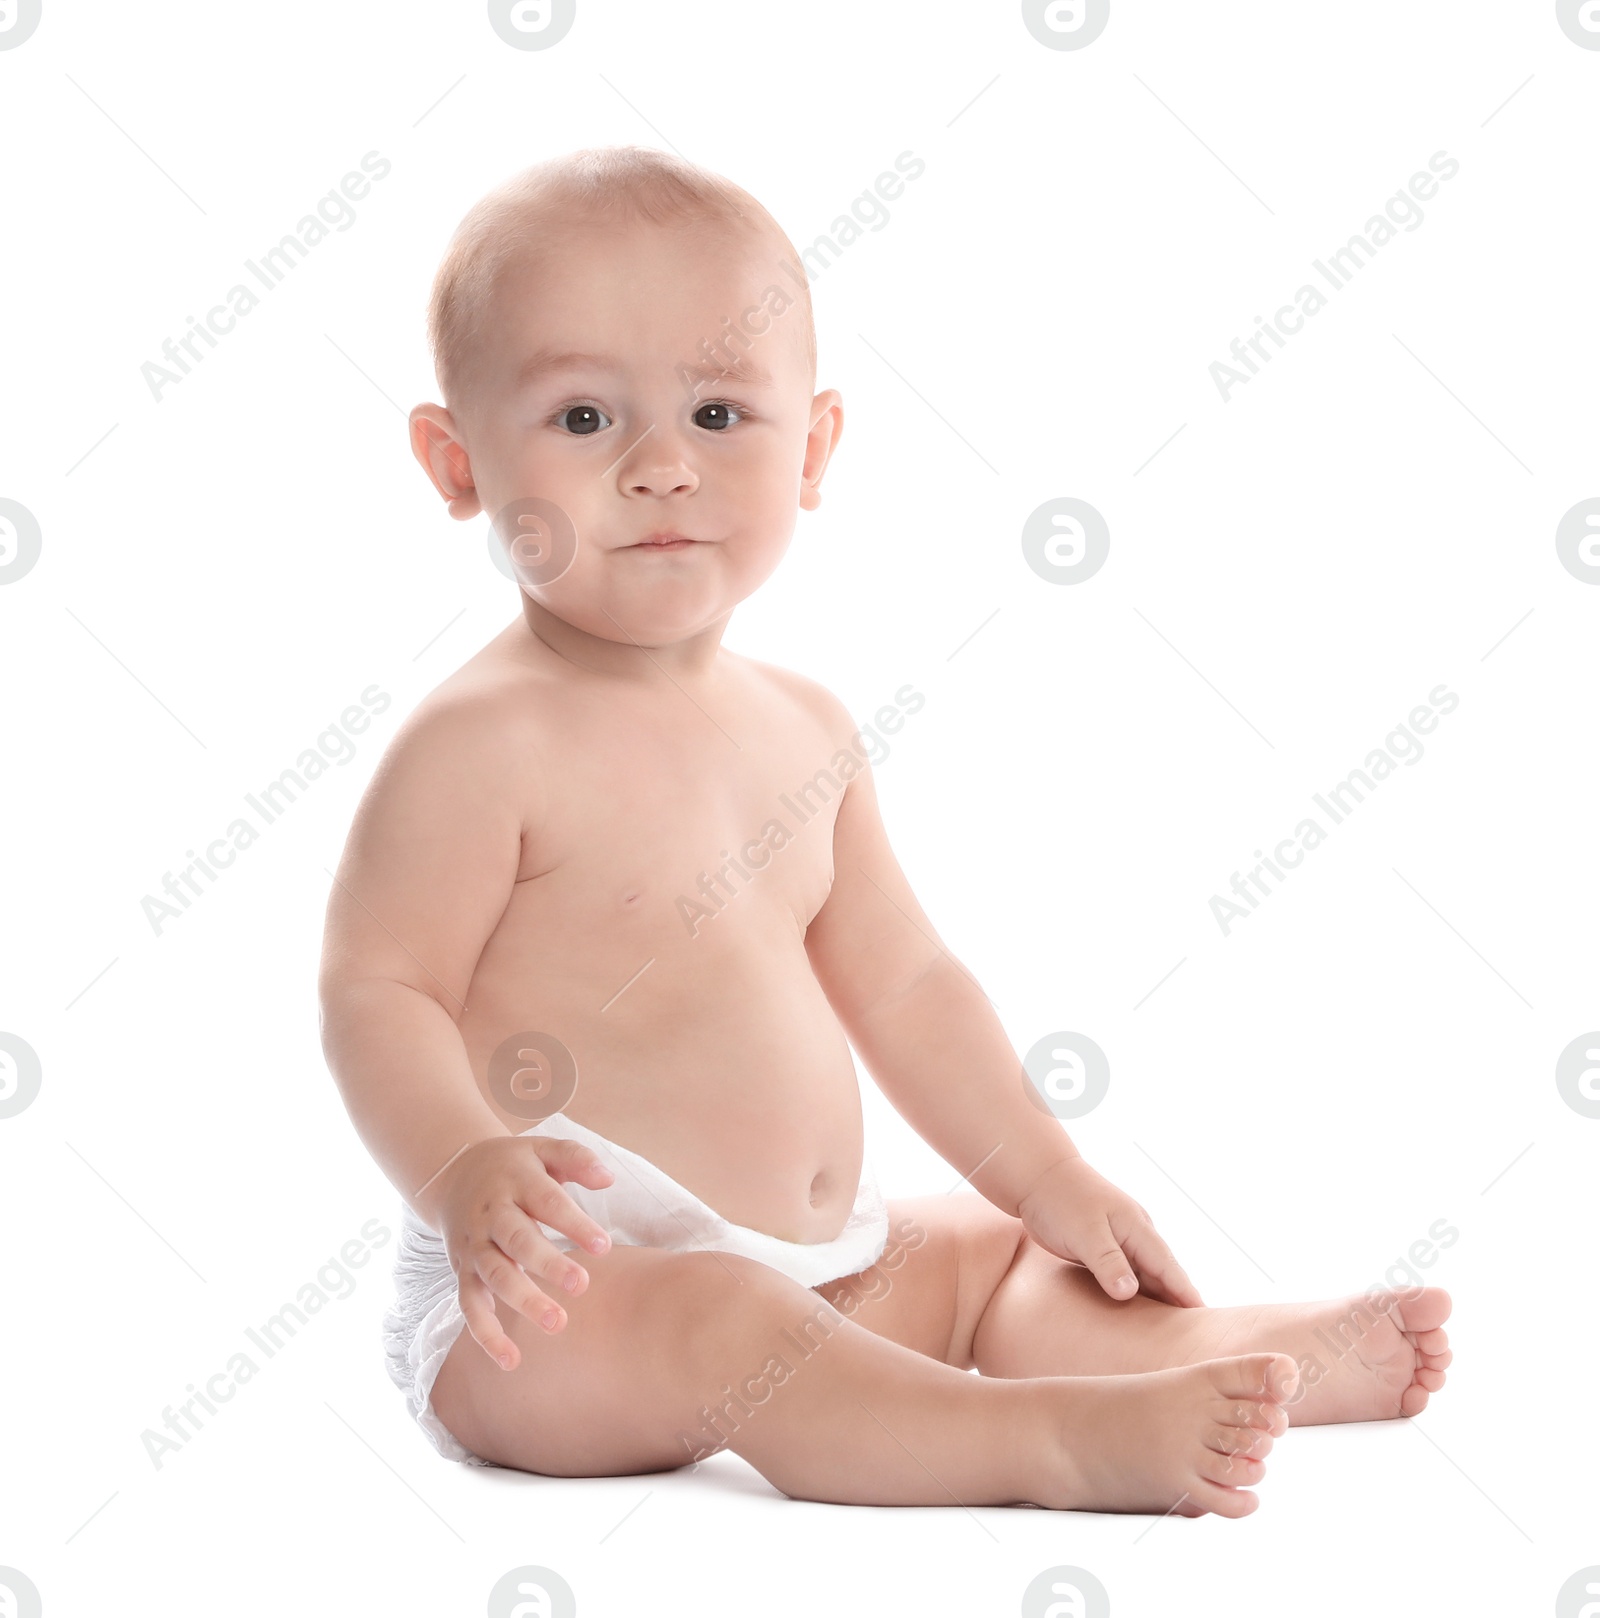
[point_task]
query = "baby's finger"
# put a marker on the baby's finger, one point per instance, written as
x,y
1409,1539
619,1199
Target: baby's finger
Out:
x,y
477,1305
517,1236
507,1279
1107,1262
544,1200
568,1160
1162,1274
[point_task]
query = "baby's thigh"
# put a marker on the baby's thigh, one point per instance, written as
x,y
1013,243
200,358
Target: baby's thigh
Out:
x,y
617,1388
945,1257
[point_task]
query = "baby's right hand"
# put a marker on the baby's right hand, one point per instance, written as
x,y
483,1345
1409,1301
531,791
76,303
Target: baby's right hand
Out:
x,y
490,1200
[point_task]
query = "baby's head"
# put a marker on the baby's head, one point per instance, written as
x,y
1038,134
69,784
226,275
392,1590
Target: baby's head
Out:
x,y
625,347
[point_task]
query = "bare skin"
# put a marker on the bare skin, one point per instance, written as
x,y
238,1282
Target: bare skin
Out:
x,y
849,1415
571,835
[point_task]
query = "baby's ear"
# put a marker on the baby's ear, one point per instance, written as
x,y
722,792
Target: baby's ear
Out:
x,y
441,454
827,423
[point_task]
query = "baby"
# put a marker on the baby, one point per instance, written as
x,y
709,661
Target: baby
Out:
x,y
617,904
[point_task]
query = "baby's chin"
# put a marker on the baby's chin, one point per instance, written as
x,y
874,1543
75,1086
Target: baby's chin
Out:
x,y
632,618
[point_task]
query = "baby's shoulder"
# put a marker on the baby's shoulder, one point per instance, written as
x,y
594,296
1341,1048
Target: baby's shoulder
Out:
x,y
805,698
475,735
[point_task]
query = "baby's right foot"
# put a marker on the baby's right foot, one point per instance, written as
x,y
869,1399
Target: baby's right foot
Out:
x,y
1184,1440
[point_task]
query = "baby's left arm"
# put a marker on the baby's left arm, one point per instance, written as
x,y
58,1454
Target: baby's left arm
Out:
x,y
934,1044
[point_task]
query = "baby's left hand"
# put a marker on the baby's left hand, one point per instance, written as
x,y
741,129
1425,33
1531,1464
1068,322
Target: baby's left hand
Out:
x,y
1078,1214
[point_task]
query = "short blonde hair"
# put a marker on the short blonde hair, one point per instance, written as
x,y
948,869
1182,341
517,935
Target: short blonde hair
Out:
x,y
608,184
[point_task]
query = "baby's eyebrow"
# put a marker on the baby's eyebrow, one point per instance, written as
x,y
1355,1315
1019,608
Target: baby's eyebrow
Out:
x,y
545,361
739,369
548,359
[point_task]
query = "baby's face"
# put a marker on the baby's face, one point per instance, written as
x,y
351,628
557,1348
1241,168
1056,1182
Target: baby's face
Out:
x,y
640,434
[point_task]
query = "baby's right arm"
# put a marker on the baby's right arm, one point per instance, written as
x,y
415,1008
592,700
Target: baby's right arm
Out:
x,y
427,870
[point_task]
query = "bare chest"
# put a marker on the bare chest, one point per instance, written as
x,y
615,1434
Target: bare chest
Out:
x,y
674,829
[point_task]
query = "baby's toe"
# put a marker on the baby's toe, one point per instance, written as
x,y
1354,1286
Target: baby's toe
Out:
x,y
1220,1498
1414,1400
1228,1439
1250,1413
1435,1362
1431,1380
1436,1341
1231,1471
1423,1313
1272,1378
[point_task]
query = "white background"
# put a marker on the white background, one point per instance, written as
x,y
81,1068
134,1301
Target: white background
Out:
x,y
1373,515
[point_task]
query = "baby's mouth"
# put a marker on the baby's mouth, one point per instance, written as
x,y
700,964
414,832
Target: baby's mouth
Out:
x,y
665,541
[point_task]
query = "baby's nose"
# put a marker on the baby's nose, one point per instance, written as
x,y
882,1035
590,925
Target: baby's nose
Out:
x,y
657,469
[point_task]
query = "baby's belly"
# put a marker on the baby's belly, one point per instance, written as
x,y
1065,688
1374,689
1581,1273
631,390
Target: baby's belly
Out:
x,y
721,1061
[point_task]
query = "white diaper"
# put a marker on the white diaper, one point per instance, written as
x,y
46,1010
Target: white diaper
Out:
x,y
642,1207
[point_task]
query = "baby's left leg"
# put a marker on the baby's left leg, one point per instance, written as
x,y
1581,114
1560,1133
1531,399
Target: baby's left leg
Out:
x,y
980,1293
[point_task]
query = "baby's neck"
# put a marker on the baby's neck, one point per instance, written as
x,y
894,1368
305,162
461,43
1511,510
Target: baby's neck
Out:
x,y
696,660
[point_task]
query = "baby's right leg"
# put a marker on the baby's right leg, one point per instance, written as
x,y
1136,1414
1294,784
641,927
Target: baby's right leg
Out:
x,y
668,1357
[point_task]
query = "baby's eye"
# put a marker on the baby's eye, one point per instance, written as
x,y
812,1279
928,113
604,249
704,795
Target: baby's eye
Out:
x,y
589,419
719,418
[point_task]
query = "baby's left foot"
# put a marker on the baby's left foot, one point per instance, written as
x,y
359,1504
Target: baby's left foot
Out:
x,y
1361,1358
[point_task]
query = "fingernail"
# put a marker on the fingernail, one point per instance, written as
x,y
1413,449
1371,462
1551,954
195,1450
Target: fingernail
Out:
x,y
505,1362
551,1316
571,1282
599,1244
